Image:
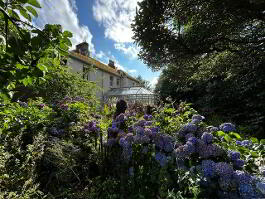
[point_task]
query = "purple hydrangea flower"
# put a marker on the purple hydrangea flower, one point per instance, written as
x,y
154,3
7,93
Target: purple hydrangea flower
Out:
x,y
121,117
227,127
123,143
238,163
41,106
148,132
189,148
148,123
234,155
161,159
111,142
155,129
208,168
129,137
146,117
193,140
189,135
238,142
207,138
189,128
127,153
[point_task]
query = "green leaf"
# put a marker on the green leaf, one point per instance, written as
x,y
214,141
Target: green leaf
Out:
x,y
254,140
19,66
67,34
42,67
32,11
24,13
220,133
34,3
236,135
262,141
227,138
26,81
254,154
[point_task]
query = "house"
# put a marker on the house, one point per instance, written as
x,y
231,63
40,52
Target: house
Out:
x,y
106,77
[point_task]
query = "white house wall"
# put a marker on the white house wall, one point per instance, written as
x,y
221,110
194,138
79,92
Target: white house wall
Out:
x,y
99,76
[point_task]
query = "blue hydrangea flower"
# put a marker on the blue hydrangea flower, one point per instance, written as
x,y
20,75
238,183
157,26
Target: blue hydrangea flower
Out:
x,y
227,127
234,155
207,138
238,163
261,187
245,190
208,168
131,171
242,177
161,159
224,169
246,143
238,142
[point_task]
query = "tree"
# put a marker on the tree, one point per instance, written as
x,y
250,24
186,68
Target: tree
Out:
x,y
27,53
171,30
212,53
144,83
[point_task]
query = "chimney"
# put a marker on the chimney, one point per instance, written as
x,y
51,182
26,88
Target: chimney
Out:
x,y
111,64
82,48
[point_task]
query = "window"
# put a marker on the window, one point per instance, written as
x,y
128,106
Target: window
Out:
x,y
85,72
111,80
118,82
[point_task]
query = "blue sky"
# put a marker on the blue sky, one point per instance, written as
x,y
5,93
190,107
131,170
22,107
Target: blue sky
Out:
x,y
105,25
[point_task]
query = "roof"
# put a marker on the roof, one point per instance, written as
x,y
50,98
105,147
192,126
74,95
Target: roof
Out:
x,y
129,91
100,65
96,63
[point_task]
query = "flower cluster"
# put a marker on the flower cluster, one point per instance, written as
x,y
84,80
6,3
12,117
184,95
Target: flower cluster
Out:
x,y
92,127
227,127
148,117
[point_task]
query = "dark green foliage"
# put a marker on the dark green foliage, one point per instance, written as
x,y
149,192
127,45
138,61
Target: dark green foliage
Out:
x,y
212,53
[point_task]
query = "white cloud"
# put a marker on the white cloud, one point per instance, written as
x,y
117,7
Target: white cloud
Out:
x,y
130,50
116,17
153,82
132,71
100,55
64,12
